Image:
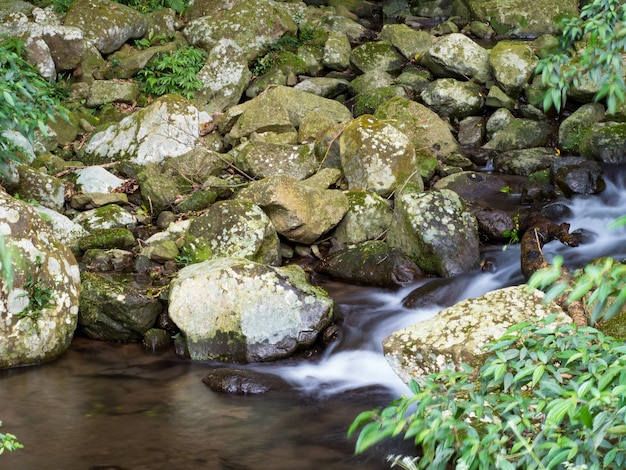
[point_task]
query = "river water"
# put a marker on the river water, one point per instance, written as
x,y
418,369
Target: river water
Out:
x,y
114,406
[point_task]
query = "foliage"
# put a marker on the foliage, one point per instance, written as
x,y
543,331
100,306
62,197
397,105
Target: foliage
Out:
x,y
287,42
27,100
150,40
513,234
148,6
186,256
599,61
548,396
174,72
602,283
8,442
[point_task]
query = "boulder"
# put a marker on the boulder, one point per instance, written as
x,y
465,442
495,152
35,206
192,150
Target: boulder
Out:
x,y
457,56
513,64
458,334
524,162
377,55
424,128
453,98
105,24
368,218
574,129
411,43
605,142
337,51
112,91
39,289
263,159
523,18
234,310
520,134
96,179
105,217
376,156
233,228
577,175
434,230
301,211
243,381
114,310
472,186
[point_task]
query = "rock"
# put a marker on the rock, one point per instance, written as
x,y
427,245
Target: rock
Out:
x,y
577,175
86,201
107,25
411,43
378,55
337,51
522,18
371,263
424,128
279,109
459,333
243,381
376,156
168,127
35,185
494,225
498,120
161,252
434,230
368,218
100,260
370,81
112,91
496,98
107,239
525,161
471,132
234,310
457,56
605,142
156,339
453,98
574,130
96,179
513,64
323,86
248,25
520,134
39,289
299,211
65,230
263,159
113,310
105,217
472,186
368,102
233,228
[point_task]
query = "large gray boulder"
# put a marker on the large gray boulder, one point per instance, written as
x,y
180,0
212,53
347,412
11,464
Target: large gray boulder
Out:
x,y
169,127
301,211
263,159
605,143
457,56
513,64
39,289
434,229
233,228
234,310
458,334
574,129
368,218
105,24
454,98
376,156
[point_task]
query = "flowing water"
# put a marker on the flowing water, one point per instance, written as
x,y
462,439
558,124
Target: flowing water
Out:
x,y
113,406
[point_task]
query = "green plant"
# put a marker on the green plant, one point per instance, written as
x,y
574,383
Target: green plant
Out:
x,y
8,442
148,6
174,72
513,234
589,52
27,100
549,395
186,257
286,43
150,41
602,283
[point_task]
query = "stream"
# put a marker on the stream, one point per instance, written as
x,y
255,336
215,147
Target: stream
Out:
x,y
106,406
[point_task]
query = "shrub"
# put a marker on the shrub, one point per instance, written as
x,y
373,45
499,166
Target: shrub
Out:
x,y
8,442
174,72
599,61
548,396
27,100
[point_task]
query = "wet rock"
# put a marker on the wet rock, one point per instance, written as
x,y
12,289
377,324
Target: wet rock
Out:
x,y
471,185
113,310
371,263
156,339
39,289
434,229
233,229
457,334
577,175
234,310
442,292
243,381
494,225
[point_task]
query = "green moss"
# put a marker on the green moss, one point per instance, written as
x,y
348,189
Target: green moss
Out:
x,y
107,239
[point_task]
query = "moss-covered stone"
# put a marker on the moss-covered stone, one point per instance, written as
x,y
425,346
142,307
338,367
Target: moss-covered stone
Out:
x,y
107,239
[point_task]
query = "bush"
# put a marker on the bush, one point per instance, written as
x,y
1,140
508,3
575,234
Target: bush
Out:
x,y
548,396
8,442
599,61
27,100
174,72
